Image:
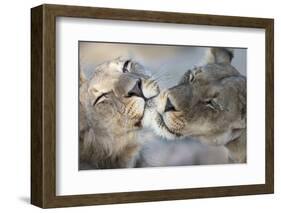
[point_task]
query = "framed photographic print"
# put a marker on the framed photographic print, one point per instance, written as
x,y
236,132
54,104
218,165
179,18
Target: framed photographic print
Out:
x,y
136,106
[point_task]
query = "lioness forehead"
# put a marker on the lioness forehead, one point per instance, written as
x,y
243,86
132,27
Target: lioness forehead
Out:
x,y
215,72
106,75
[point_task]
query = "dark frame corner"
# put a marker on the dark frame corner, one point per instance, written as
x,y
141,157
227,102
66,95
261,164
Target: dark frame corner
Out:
x,y
43,105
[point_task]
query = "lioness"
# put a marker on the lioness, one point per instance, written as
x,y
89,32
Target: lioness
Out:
x,y
112,105
209,104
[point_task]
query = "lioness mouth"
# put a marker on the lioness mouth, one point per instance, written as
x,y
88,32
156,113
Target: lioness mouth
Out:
x,y
161,123
138,124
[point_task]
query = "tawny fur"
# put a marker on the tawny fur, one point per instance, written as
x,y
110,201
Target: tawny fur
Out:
x,y
209,105
109,125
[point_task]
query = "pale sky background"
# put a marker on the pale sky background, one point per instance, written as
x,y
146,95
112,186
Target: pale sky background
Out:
x,y
171,61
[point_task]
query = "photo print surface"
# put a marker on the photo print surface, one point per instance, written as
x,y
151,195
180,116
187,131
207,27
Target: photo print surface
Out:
x,y
148,105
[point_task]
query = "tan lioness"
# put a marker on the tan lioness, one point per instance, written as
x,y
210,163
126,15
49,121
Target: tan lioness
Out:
x,y
209,104
112,104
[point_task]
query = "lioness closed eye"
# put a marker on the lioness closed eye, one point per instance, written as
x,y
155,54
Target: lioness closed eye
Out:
x,y
112,105
209,104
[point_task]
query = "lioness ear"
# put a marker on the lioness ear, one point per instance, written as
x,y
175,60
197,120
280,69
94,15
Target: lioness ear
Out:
x,y
190,75
187,77
219,55
82,78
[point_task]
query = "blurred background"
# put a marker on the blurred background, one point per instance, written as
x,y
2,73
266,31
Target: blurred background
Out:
x,y
170,62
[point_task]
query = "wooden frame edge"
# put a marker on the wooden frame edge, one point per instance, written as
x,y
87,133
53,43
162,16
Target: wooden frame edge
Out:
x,y
269,138
36,106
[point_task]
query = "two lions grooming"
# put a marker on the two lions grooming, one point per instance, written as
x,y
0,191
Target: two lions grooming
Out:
x,y
208,104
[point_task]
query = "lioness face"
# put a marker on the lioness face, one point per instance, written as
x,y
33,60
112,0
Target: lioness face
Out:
x,y
116,95
209,103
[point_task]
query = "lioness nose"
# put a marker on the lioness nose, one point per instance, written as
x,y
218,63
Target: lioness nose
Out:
x,y
137,90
